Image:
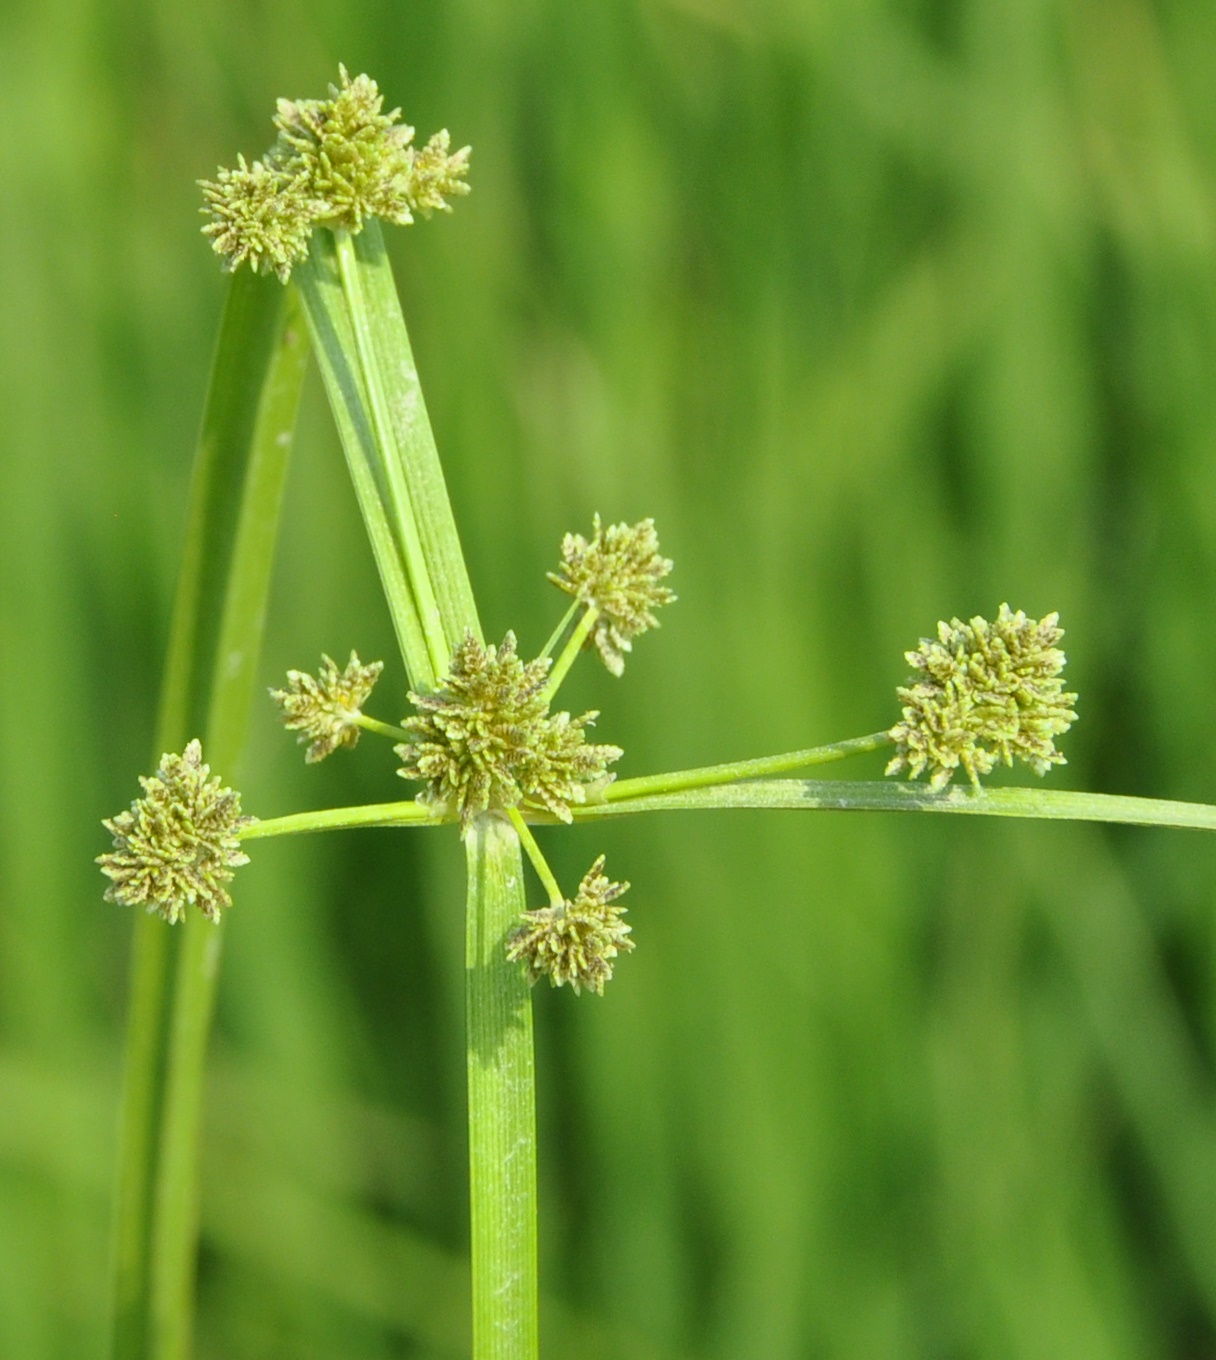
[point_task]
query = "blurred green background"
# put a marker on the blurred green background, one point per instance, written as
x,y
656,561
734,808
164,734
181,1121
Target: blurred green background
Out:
x,y
885,312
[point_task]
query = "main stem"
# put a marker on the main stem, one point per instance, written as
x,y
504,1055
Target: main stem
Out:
x,y
502,1103
373,388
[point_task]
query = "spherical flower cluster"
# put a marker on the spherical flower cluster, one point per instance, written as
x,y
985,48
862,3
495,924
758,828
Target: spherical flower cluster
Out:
x,y
575,942
260,215
486,739
335,162
179,844
986,692
618,572
326,709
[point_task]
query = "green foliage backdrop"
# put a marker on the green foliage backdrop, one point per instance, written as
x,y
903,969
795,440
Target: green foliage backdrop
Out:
x,y
886,311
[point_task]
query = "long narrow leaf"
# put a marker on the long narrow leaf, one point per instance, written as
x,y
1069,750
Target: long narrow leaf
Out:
x,y
824,795
214,643
416,440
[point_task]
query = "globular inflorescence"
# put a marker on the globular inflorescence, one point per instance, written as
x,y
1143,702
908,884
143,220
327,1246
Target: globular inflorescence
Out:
x,y
261,216
325,709
985,692
486,739
179,844
335,162
575,941
619,572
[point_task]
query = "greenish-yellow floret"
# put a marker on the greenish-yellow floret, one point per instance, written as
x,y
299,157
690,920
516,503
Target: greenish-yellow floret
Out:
x,y
335,162
576,941
437,174
486,739
985,692
179,844
619,572
325,709
260,215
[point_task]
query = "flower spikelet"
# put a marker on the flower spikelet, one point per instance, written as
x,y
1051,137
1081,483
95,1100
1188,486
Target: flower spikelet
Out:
x,y
437,174
985,692
575,942
179,844
325,709
260,214
619,572
361,162
486,739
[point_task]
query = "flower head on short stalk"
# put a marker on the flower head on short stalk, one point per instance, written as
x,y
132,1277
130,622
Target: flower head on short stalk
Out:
x,y
179,844
486,739
986,692
325,709
618,572
335,162
575,941
261,214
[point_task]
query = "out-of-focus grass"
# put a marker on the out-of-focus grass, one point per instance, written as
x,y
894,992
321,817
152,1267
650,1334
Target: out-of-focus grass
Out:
x,y
886,313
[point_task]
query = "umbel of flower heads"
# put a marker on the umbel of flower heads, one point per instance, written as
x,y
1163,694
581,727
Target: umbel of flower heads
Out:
x,y
334,162
486,740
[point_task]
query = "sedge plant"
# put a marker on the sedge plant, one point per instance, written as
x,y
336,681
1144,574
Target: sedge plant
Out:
x,y
484,746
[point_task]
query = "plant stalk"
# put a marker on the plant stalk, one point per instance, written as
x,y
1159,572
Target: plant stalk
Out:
x,y
570,652
502,1103
707,775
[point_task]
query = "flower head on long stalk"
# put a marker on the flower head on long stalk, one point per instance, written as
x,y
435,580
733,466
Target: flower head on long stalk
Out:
x,y
575,941
618,571
335,162
486,739
178,845
986,692
325,709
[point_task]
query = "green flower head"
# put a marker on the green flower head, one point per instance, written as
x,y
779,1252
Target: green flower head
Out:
x,y
486,739
326,709
575,942
261,215
618,572
335,162
179,844
986,692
